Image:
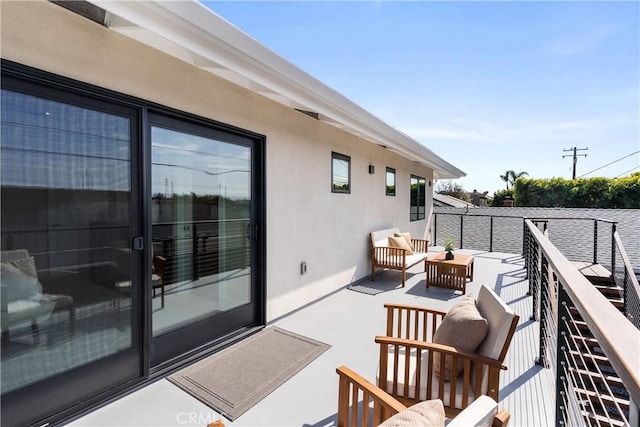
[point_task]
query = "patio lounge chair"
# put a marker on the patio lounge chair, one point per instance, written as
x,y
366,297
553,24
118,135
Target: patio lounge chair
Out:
x,y
418,338
355,395
21,297
396,251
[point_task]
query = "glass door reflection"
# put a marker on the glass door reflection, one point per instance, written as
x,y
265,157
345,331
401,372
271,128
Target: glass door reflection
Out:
x,y
201,210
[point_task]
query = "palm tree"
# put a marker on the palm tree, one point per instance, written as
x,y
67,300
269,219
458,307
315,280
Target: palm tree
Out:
x,y
510,177
506,177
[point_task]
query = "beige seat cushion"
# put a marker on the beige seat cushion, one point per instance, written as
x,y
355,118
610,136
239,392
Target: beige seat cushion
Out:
x,y
379,238
447,398
407,237
464,328
27,309
428,414
479,414
414,259
400,242
499,318
19,278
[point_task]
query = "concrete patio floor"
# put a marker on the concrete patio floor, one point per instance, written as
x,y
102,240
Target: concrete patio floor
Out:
x,y
349,321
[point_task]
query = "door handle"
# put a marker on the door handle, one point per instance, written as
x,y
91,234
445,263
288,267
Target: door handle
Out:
x,y
138,243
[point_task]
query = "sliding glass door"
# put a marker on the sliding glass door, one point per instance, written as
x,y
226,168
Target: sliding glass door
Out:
x,y
131,240
70,281
203,231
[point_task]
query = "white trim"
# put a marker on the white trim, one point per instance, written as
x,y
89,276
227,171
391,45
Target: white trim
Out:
x,y
191,32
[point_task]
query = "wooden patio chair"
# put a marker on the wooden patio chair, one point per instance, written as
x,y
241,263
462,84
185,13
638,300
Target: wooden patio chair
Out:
x,y
22,298
361,403
410,368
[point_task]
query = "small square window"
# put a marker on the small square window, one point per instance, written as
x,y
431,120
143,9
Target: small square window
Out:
x,y
340,173
391,182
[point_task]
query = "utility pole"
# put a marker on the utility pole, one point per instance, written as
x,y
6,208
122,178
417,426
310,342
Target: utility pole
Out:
x,y
575,157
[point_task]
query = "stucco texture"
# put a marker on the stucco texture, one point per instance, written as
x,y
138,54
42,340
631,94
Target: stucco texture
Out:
x,y
305,220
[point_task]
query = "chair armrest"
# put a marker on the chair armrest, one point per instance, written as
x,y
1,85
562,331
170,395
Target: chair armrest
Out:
x,y
441,348
420,245
424,353
501,419
412,321
351,386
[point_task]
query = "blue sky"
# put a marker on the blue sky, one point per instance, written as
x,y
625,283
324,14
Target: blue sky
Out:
x,y
488,86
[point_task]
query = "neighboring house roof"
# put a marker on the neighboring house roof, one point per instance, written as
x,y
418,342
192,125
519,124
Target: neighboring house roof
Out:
x,y
444,200
189,31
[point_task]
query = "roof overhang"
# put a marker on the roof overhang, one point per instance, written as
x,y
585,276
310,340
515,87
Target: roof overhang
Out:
x,y
190,32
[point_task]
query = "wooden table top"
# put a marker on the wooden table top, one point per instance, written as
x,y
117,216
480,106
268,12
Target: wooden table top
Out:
x,y
458,258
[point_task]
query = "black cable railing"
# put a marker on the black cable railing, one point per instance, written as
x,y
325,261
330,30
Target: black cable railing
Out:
x,y
625,277
207,247
196,248
581,239
584,340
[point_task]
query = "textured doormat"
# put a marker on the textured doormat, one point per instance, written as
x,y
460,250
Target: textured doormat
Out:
x,y
236,378
372,288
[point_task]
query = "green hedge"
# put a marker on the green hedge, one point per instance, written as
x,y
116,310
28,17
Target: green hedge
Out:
x,y
615,193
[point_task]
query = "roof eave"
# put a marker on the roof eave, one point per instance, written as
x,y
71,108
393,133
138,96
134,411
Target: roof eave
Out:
x,y
193,33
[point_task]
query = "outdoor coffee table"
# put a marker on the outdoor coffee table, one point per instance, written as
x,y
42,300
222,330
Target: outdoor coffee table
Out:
x,y
450,274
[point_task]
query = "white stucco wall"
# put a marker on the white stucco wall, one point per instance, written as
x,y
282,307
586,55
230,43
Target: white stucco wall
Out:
x,y
305,221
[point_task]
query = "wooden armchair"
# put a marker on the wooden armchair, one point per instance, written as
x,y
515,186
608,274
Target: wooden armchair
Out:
x,y
160,278
395,258
407,354
361,403
22,298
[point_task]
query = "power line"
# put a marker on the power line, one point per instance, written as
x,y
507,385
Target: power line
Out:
x,y
608,164
575,157
630,170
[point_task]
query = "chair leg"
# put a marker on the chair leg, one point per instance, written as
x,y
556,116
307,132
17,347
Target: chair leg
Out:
x,y
404,276
72,319
35,331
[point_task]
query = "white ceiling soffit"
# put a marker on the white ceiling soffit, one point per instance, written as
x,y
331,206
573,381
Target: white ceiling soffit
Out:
x,y
189,31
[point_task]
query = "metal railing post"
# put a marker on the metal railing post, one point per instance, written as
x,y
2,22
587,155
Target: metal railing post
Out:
x,y
491,234
545,304
461,230
435,228
625,293
245,243
613,248
595,241
525,235
533,274
194,246
562,351
525,242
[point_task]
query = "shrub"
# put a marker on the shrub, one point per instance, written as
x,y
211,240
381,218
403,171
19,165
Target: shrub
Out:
x,y
621,193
